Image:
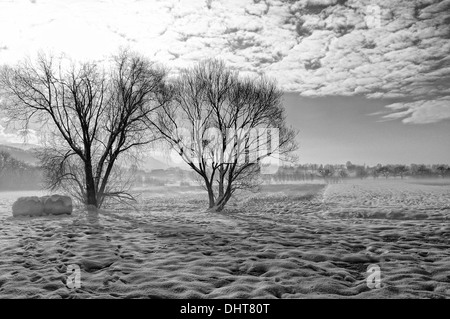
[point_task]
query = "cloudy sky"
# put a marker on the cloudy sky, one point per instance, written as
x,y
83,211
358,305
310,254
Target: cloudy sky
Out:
x,y
366,81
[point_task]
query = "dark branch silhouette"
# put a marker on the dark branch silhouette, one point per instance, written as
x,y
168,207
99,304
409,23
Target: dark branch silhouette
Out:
x,y
224,127
93,116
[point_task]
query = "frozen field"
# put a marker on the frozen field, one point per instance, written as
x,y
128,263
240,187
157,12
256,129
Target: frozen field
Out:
x,y
290,241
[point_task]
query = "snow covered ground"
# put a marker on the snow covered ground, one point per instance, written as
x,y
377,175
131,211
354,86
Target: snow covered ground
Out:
x,y
289,241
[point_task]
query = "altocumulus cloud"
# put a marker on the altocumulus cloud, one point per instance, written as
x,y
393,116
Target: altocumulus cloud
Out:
x,y
422,112
379,49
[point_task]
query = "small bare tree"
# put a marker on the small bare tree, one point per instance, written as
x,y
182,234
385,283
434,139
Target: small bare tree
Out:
x,y
94,117
224,127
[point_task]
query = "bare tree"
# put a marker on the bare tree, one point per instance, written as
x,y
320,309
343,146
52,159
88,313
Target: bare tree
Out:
x,y
442,170
384,170
400,170
327,172
93,114
361,172
224,127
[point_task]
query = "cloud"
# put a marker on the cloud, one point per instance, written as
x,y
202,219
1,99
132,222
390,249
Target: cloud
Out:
x,y
380,49
421,112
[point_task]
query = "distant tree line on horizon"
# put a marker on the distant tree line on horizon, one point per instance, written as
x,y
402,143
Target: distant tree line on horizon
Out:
x,y
336,172
307,172
18,175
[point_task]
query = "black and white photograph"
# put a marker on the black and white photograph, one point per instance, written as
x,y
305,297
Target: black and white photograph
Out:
x,y
224,153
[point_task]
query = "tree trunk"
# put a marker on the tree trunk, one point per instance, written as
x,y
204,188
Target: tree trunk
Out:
x,y
91,194
221,189
222,201
210,195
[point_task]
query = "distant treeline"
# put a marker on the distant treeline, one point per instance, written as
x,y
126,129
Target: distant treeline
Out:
x,y
17,175
307,172
337,172
163,177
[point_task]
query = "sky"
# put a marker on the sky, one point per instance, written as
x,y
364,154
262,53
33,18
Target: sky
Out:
x,y
340,129
366,81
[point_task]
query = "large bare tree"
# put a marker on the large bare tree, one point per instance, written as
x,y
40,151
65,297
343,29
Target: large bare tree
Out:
x,y
93,113
225,127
